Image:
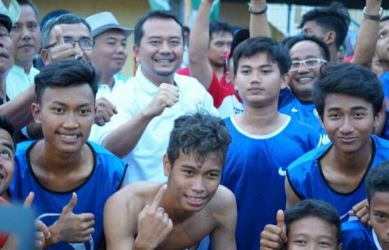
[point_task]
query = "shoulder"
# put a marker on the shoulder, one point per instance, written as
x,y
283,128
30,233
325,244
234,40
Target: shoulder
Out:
x,y
308,159
104,156
223,201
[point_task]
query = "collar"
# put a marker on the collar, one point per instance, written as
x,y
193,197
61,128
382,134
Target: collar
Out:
x,y
375,239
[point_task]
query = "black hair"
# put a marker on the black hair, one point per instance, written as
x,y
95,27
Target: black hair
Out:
x,y
68,18
7,126
252,46
31,4
65,73
219,27
384,18
313,208
378,180
325,53
138,30
348,79
334,17
199,134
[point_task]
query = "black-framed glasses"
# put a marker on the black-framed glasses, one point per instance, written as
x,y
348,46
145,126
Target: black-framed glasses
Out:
x,y
84,43
310,63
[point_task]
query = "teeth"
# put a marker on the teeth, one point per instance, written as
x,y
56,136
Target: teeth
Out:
x,y
69,136
305,79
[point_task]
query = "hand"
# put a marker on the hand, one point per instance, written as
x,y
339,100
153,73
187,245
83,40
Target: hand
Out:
x,y
361,210
153,223
62,50
43,232
72,227
104,111
274,236
166,96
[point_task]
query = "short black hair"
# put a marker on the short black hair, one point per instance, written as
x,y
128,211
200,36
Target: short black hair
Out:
x,y
219,27
252,46
64,73
7,126
333,17
348,79
377,180
384,18
325,53
199,134
32,5
157,14
68,18
313,208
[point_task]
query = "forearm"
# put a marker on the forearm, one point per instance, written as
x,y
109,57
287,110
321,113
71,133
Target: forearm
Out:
x,y
131,130
199,64
367,36
258,23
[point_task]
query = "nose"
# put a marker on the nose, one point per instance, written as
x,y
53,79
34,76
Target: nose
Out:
x,y
165,48
70,121
346,126
198,185
26,34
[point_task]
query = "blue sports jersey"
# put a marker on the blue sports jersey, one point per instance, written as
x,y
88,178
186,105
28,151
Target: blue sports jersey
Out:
x,y
105,179
385,85
306,112
307,180
254,171
355,236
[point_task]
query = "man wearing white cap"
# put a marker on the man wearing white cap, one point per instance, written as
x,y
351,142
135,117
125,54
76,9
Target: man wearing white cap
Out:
x,y
109,55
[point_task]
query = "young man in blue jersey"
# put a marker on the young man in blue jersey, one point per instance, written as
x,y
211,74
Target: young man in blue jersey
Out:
x,y
309,224
71,179
348,98
264,141
191,205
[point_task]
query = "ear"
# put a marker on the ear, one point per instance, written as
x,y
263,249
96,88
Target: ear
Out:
x,y
285,80
330,38
135,52
45,56
36,112
167,167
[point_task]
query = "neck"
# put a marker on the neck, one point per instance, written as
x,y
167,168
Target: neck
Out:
x,y
157,80
107,79
25,65
176,214
333,54
218,69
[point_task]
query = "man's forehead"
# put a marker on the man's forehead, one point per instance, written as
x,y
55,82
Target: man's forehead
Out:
x,y
384,24
153,25
73,29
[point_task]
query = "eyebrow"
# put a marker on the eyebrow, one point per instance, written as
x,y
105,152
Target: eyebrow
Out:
x,y
8,145
352,108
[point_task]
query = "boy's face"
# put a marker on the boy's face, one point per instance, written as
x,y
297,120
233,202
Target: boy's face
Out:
x,y
303,77
312,233
258,80
193,183
349,121
66,115
382,47
7,150
219,47
379,217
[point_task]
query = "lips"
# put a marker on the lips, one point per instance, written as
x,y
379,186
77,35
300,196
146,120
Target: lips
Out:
x,y
304,79
4,54
69,137
196,201
347,140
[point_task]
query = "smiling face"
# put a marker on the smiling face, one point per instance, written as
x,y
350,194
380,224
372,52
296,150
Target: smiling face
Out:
x,y
7,150
26,36
66,115
258,80
161,49
193,183
312,233
301,80
110,51
349,121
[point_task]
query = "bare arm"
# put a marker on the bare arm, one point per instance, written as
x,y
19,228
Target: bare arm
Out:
x,y
258,23
18,110
223,237
291,197
367,36
199,65
133,129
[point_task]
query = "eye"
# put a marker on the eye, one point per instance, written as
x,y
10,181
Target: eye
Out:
x,y
266,71
213,175
245,71
359,115
311,62
32,26
188,172
85,111
175,43
6,154
333,116
58,110
325,244
382,34
154,42
300,242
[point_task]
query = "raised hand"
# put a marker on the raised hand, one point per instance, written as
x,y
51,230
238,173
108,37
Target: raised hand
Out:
x,y
153,224
361,210
71,227
166,96
274,236
60,49
104,111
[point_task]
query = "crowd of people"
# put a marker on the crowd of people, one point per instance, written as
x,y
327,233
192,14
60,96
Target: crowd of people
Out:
x,y
254,144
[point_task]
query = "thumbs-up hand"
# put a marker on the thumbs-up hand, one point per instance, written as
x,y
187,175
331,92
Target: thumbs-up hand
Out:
x,y
274,236
71,227
153,223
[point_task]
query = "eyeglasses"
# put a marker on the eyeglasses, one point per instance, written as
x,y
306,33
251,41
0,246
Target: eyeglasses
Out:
x,y
308,64
84,43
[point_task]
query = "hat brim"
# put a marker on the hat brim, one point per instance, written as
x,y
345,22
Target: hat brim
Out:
x,y
6,21
127,32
